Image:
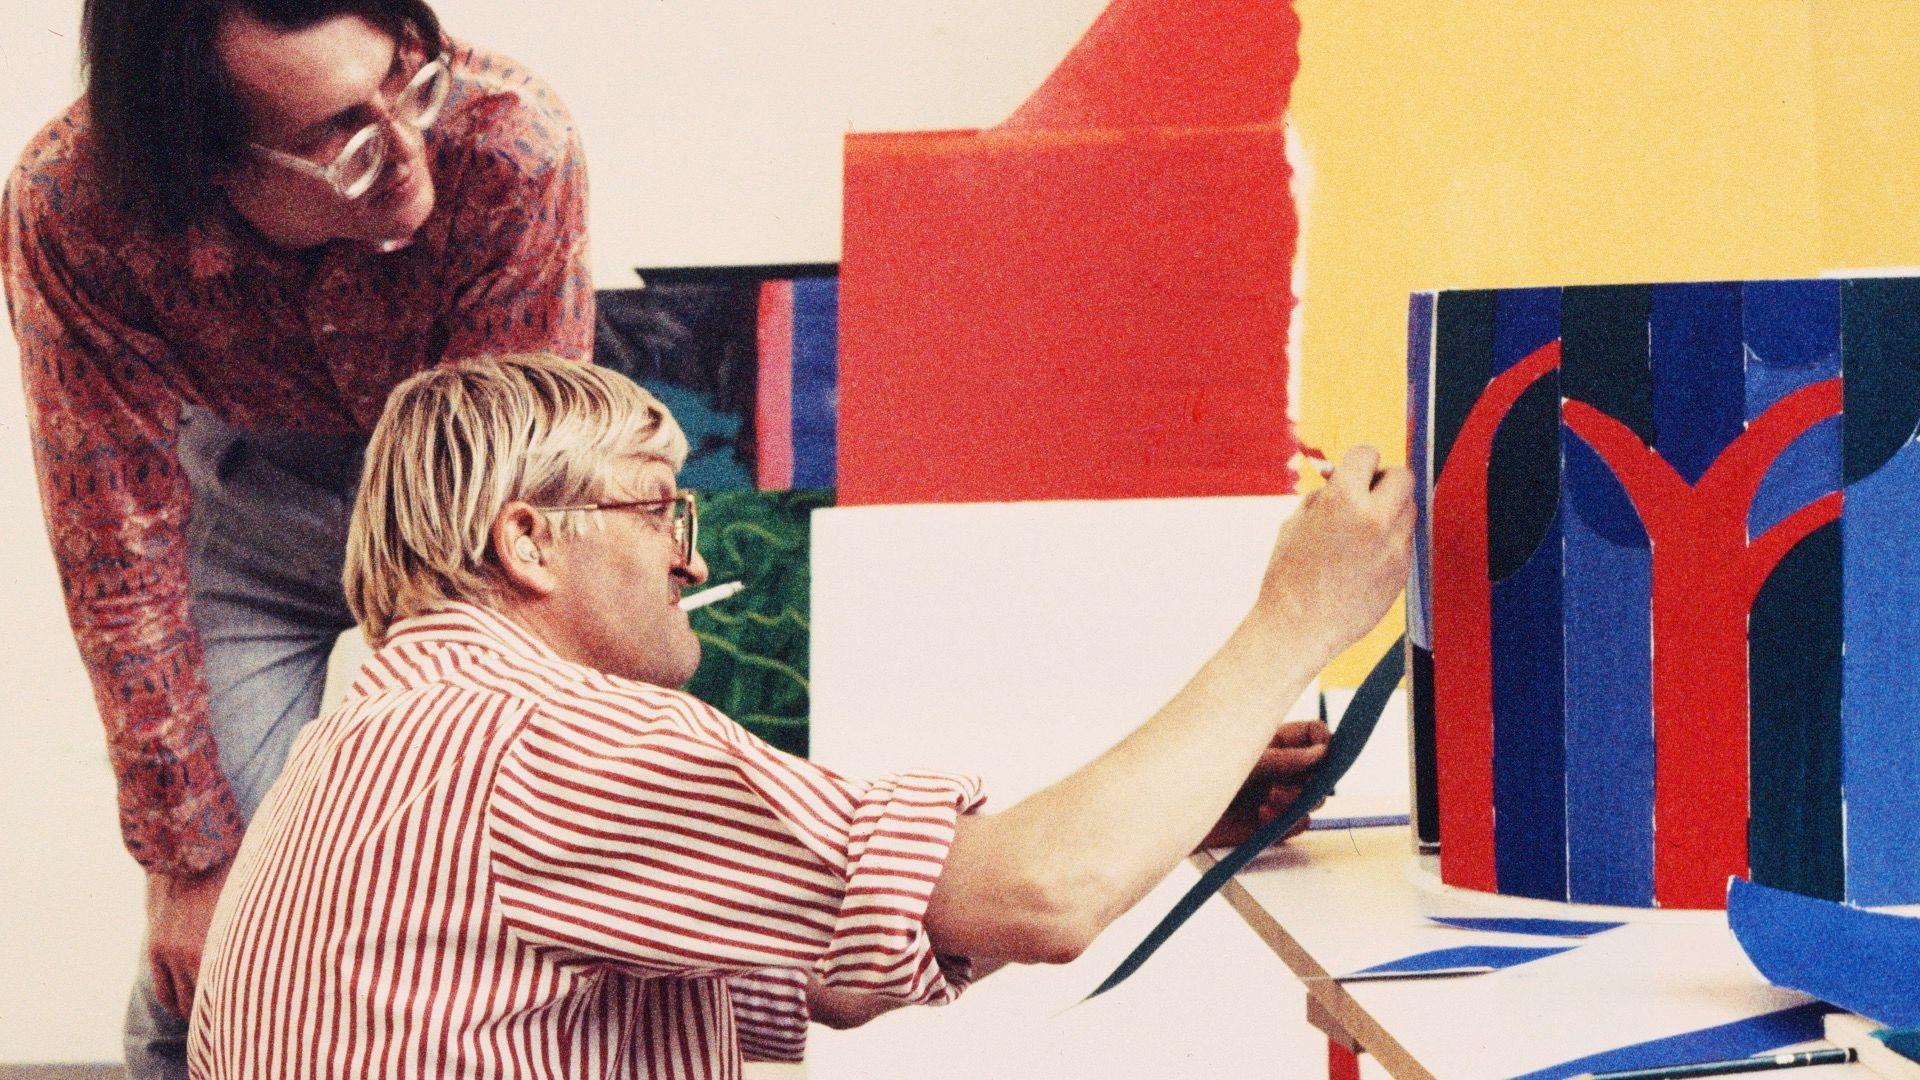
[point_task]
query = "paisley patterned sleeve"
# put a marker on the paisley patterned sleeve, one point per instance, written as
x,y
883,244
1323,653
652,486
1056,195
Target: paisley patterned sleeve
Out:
x,y
103,423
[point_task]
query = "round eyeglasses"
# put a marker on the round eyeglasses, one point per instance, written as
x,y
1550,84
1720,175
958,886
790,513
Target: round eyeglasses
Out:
x,y
353,170
681,514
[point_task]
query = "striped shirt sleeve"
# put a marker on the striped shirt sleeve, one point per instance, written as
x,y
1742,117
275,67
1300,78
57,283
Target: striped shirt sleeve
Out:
x,y
654,834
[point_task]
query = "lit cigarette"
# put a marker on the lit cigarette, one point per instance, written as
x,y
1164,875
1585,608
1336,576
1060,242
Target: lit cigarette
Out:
x,y
711,596
1319,460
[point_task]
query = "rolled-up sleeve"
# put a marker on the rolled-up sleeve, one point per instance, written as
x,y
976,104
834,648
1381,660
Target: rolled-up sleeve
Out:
x,y
663,839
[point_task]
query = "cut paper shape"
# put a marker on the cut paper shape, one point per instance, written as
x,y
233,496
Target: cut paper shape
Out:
x,y
1880,324
1372,821
1608,635
1643,597
1863,961
755,646
1497,957
1741,1038
1539,927
1349,738
1092,300
1148,63
1905,1042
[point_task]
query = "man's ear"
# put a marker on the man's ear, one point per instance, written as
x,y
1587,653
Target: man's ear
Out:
x,y
522,545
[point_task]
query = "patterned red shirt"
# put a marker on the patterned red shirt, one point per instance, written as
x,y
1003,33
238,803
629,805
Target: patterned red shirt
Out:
x,y
121,322
493,862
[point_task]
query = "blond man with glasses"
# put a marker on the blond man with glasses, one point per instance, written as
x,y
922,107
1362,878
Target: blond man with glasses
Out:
x,y
517,850
259,217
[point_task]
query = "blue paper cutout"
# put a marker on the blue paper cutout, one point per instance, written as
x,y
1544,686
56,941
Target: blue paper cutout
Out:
x,y
1880,757
1493,956
1419,368
1863,961
1539,927
1792,340
1529,729
1609,689
816,367
1698,361
1741,1038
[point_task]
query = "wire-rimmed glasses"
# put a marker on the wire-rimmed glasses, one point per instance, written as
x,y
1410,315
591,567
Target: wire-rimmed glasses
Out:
x,y
682,514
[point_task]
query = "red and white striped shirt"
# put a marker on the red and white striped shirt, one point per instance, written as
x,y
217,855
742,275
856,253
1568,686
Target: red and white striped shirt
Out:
x,y
493,862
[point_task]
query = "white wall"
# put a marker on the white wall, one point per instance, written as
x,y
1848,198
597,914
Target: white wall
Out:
x,y
713,132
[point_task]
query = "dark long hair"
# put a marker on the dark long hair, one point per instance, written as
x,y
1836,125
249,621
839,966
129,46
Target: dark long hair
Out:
x,y
163,110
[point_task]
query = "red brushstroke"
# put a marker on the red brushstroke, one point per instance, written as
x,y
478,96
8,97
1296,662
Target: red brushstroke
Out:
x,y
773,405
1706,575
1463,630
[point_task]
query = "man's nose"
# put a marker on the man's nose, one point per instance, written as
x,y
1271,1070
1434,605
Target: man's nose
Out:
x,y
695,571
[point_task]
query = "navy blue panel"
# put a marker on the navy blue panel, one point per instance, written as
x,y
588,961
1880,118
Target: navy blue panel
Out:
x,y
1794,833
816,368
1699,384
1462,364
1529,734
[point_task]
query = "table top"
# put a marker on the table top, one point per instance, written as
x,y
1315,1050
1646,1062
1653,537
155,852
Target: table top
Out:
x,y
1333,902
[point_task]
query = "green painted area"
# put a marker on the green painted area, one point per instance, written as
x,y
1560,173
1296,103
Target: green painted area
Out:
x,y
753,662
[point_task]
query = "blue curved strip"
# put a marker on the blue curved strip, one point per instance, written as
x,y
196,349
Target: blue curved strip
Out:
x,y
1493,956
1863,961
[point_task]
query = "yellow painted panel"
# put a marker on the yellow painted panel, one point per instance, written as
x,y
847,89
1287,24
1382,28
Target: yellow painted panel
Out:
x,y
1491,143
1867,54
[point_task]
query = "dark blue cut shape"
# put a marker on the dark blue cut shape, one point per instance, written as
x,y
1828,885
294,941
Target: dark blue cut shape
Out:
x,y
1793,340
816,369
1529,732
1539,927
1698,360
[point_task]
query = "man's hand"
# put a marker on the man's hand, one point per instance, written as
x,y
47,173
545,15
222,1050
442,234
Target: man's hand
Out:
x,y
179,910
1277,779
1342,558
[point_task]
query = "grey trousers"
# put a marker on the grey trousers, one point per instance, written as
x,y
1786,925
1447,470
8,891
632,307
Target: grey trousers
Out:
x,y
265,546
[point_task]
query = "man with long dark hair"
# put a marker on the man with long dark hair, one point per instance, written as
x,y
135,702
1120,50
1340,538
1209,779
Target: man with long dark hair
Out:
x,y
259,217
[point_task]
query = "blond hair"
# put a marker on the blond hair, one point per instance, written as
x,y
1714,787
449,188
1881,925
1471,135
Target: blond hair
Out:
x,y
458,442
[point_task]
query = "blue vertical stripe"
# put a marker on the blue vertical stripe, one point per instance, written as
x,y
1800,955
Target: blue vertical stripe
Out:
x,y
816,365
1699,372
1419,372
1529,731
1609,609
1880,753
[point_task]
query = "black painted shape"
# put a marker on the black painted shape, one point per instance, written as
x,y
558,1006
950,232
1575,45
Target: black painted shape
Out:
x,y
1794,637
1880,361
1426,753
1463,364
1603,353
1523,479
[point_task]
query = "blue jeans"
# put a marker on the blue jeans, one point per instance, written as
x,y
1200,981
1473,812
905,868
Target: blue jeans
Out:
x,y
265,546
